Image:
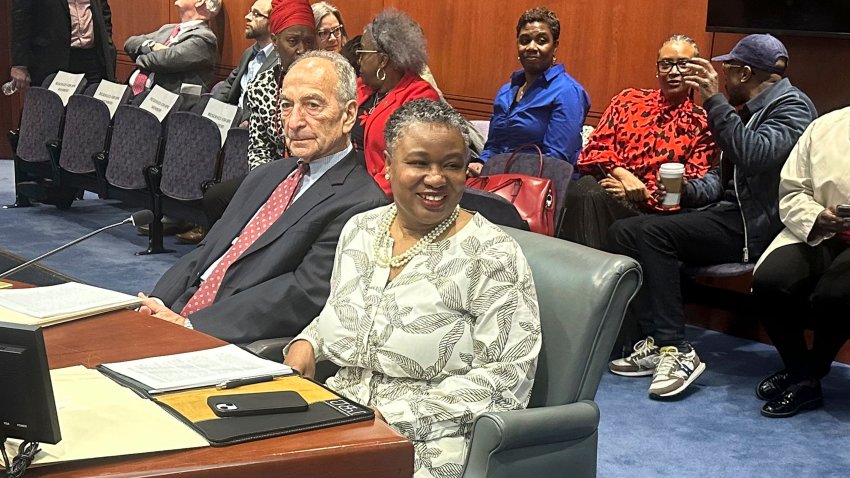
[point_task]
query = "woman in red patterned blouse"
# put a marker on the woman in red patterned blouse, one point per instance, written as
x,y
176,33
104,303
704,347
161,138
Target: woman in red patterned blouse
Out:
x,y
640,130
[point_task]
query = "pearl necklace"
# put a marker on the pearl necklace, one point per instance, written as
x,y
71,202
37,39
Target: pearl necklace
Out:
x,y
383,241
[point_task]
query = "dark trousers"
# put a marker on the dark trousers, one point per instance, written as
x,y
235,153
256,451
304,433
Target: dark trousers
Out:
x,y
659,243
798,286
218,196
88,62
590,211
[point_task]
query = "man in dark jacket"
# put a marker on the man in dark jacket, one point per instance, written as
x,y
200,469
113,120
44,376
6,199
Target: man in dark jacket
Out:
x,y
73,36
738,204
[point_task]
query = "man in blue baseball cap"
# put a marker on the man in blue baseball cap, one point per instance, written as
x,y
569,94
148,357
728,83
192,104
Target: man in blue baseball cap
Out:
x,y
737,201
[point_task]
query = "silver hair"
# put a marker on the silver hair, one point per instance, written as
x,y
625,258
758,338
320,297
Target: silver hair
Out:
x,y
346,86
680,38
424,111
400,38
214,6
323,9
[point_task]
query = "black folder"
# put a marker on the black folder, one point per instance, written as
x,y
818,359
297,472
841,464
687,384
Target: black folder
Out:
x,y
326,408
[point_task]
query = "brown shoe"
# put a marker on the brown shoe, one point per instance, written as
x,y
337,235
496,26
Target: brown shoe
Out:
x,y
193,236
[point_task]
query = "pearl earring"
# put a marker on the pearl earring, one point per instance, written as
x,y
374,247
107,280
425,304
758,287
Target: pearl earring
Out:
x,y
387,176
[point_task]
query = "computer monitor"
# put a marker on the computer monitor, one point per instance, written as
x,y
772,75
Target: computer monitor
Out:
x,y
27,408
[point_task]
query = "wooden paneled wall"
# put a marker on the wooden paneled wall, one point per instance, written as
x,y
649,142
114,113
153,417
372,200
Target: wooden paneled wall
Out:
x,y
607,45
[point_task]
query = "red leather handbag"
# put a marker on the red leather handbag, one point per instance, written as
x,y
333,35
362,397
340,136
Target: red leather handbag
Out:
x,y
533,197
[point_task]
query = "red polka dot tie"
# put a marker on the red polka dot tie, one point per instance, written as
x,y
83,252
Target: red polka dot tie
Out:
x,y
268,214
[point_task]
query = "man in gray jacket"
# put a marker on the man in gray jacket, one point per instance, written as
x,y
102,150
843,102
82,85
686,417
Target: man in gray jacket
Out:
x,y
738,204
176,53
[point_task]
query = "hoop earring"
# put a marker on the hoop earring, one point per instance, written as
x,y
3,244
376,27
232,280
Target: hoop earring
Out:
x,y
381,74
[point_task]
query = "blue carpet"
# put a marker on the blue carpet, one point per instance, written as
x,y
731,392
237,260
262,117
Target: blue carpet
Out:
x,y
106,260
715,430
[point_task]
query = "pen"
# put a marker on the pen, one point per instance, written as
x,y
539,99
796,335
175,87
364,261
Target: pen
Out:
x,y
239,382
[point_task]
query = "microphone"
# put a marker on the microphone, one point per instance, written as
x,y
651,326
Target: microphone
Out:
x,y
140,218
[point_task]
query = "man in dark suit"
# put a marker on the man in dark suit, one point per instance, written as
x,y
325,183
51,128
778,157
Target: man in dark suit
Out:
x,y
176,53
68,35
255,60
261,275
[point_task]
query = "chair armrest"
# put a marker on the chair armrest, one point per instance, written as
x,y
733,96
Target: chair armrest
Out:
x,y
271,349
493,433
535,426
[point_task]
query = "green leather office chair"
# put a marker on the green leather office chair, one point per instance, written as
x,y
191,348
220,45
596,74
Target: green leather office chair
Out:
x,y
583,294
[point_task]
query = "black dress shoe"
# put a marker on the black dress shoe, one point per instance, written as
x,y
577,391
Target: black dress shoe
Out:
x,y
48,193
794,399
773,386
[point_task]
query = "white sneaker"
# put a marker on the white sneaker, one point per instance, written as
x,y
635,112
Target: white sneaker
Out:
x,y
674,372
640,363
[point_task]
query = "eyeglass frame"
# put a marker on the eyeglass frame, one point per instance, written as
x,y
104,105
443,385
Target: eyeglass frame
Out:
x,y
673,64
360,52
336,32
255,14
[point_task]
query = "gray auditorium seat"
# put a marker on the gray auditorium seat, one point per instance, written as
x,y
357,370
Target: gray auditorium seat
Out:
x,y
191,147
234,155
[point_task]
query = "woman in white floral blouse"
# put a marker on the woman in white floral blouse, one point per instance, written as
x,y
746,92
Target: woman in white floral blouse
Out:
x,y
432,314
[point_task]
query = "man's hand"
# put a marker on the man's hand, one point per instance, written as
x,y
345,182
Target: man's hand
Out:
x,y
829,221
301,358
474,170
158,46
20,77
613,187
634,187
703,78
154,308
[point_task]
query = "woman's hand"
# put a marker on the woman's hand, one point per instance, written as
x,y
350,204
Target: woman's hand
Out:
x,y
829,221
613,187
302,358
634,187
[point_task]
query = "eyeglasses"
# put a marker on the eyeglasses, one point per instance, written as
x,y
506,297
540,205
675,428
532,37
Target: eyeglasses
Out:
x,y
360,53
333,32
666,66
255,14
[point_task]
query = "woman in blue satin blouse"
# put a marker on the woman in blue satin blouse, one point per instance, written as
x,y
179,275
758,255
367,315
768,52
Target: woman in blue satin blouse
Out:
x,y
541,104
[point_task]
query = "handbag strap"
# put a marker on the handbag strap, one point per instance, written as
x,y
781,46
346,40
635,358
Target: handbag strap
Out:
x,y
520,148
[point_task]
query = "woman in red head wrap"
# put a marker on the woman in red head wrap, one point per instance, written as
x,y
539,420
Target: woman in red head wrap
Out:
x,y
293,32
293,29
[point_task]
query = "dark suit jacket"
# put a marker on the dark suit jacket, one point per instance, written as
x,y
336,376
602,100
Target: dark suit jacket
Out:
x,y
231,88
41,36
190,59
282,281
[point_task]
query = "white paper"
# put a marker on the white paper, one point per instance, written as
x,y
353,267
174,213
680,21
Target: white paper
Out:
x,y
62,299
221,114
111,94
65,84
190,89
197,369
100,418
159,102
